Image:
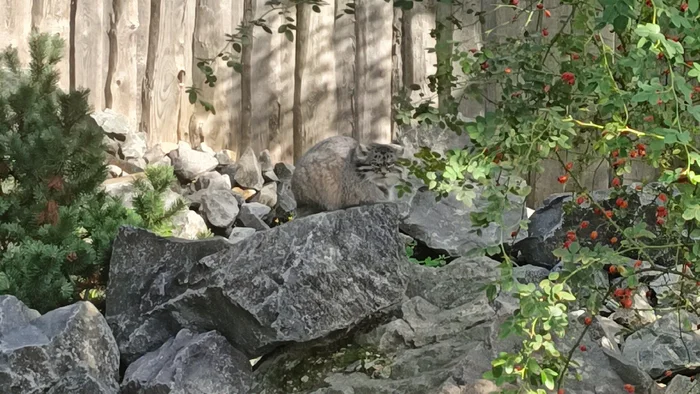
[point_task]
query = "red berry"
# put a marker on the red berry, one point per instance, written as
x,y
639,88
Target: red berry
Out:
x,y
619,293
545,32
659,102
615,153
575,56
484,65
514,2
615,182
584,224
569,165
508,70
560,391
571,236
473,50
514,234
547,13
580,200
660,221
540,6
619,201
628,387
583,348
596,210
684,7
562,179
609,214
594,234
613,240
587,321
668,373
626,303
637,264
612,269
568,77
567,244
633,154
662,197
546,88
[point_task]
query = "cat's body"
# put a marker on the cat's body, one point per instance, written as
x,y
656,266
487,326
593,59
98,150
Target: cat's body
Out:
x,y
339,173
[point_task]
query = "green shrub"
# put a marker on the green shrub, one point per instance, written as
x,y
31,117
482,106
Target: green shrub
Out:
x,y
149,201
56,225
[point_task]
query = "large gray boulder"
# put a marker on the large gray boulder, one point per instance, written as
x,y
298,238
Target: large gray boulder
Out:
x,y
67,350
143,274
190,363
293,283
446,225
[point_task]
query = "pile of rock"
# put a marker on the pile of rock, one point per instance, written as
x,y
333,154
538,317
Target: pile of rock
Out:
x,y
233,199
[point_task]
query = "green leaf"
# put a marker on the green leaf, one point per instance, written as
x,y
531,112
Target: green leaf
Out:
x,y
192,96
289,35
693,5
692,212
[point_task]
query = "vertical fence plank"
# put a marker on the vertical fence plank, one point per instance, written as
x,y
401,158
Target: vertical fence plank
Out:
x,y
272,77
373,67
91,48
315,102
122,75
212,20
344,44
165,107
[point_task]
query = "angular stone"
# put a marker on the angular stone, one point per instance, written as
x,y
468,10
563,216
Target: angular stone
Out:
x,y
188,225
225,157
267,195
134,147
189,163
240,233
249,175
190,363
284,171
154,154
69,347
143,276
203,147
114,124
251,215
219,207
270,176
246,194
446,225
111,146
300,281
286,204
265,161
212,180
663,345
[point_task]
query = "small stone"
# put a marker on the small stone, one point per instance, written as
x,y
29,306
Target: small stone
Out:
x,y
247,194
203,147
189,164
265,161
270,176
212,180
251,215
111,146
114,171
134,147
188,225
240,233
267,196
284,171
223,158
219,207
248,174
304,379
154,154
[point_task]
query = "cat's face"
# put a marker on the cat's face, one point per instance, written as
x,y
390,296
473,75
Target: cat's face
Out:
x,y
377,163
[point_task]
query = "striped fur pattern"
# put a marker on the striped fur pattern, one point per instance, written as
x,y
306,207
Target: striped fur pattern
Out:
x,y
339,173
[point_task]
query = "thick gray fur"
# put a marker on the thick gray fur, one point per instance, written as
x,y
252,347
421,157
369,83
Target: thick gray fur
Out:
x,y
338,173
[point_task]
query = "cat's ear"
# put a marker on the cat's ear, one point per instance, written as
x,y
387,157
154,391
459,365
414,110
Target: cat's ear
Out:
x,y
361,151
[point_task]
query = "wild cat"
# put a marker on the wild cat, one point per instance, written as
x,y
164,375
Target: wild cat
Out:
x,y
339,173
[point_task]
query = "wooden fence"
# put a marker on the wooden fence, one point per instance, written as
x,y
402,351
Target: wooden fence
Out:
x,y
337,77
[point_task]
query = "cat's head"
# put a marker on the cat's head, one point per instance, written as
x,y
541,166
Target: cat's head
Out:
x,y
378,162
